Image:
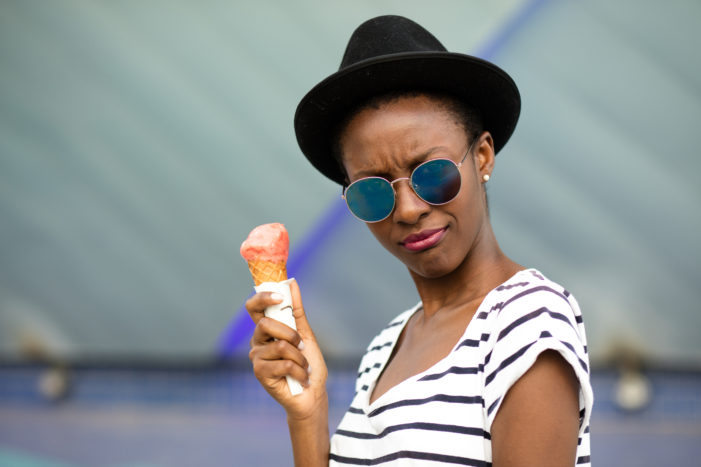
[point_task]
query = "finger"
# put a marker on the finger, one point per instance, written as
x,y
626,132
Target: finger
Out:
x,y
281,350
257,304
298,310
269,329
277,369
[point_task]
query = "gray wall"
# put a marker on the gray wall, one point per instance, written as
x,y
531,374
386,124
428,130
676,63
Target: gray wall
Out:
x,y
141,140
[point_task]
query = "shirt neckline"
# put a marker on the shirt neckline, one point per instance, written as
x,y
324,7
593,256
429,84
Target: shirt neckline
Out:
x,y
369,407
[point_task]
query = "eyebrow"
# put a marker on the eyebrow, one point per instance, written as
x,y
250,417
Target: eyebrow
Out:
x,y
413,162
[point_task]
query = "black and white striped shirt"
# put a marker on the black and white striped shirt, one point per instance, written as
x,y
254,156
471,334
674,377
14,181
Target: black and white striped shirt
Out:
x,y
443,416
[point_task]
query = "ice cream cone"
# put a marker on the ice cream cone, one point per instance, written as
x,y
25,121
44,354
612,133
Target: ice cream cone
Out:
x,y
267,271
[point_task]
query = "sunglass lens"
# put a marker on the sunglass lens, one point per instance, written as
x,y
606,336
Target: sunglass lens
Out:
x,y
370,199
436,181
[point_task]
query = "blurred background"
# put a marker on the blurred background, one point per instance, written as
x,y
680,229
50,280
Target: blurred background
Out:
x,y
140,141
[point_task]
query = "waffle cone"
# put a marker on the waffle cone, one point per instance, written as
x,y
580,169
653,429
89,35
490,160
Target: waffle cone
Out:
x,y
267,271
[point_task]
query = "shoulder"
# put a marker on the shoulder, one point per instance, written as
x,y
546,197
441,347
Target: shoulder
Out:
x,y
531,295
528,310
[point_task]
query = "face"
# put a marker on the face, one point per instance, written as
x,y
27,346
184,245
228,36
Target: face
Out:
x,y
390,141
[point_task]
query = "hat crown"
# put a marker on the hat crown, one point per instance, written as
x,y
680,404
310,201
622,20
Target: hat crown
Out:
x,y
387,35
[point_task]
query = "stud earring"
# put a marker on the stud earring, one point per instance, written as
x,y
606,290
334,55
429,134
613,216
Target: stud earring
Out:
x,y
485,177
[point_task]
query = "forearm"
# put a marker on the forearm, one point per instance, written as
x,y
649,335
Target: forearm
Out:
x,y
310,437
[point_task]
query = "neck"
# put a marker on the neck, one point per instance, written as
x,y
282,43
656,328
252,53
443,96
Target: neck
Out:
x,y
484,268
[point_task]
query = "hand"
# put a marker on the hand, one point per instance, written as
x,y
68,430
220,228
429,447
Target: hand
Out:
x,y
275,354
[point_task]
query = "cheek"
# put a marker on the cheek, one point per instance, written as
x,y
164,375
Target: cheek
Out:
x,y
469,208
471,192
381,231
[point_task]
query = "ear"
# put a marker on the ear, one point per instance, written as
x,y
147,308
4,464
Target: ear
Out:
x,y
484,155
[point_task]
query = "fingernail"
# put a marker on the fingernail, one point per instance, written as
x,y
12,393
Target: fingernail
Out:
x,y
277,297
300,346
309,369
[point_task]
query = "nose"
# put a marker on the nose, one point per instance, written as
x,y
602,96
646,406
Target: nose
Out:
x,y
408,207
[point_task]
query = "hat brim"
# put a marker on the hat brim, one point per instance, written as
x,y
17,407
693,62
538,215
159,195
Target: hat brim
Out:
x,y
478,83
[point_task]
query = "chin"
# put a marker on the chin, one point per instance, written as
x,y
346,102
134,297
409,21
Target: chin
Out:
x,y
430,269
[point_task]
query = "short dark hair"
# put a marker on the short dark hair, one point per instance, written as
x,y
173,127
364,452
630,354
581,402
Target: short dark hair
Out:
x,y
468,117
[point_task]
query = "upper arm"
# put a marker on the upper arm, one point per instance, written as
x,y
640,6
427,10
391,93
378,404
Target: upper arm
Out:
x,y
537,392
538,421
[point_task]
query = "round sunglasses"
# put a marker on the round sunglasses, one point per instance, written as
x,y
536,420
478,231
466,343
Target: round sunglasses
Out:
x,y
437,181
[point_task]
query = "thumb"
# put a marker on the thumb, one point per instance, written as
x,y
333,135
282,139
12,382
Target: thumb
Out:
x,y
303,328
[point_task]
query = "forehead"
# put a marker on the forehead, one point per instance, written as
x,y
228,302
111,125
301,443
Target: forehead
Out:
x,y
395,132
437,102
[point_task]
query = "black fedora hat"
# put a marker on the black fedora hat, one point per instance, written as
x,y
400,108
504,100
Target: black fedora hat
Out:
x,y
392,53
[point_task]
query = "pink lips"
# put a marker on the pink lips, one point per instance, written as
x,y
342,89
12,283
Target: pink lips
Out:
x,y
423,240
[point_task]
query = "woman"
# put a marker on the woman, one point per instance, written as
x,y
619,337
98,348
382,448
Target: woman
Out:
x,y
491,367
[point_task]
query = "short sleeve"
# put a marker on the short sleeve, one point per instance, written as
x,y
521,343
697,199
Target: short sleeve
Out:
x,y
543,317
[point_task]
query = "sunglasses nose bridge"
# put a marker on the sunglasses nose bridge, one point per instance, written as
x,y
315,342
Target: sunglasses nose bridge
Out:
x,y
411,188
394,188
398,180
